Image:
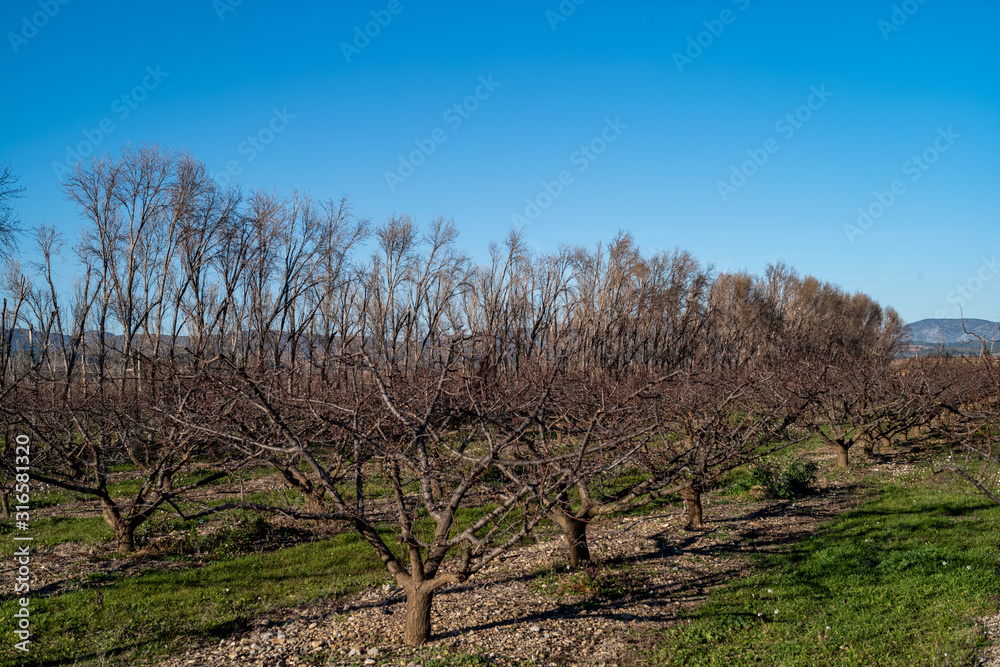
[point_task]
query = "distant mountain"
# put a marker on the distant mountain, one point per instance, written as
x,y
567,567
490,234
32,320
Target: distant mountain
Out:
x,y
951,331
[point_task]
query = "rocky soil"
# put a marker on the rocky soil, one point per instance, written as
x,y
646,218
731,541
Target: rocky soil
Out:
x,y
522,610
991,626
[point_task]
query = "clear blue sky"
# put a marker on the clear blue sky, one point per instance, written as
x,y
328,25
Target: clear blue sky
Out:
x,y
666,98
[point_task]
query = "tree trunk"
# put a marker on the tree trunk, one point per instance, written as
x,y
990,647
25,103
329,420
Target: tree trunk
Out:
x,y
575,531
124,530
125,535
842,460
418,614
692,499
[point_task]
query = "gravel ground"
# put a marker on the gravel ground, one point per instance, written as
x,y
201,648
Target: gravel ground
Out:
x,y
991,626
517,611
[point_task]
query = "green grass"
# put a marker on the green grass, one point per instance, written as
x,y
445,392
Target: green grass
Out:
x,y
594,583
735,483
57,530
460,659
897,581
48,498
159,612
126,489
283,497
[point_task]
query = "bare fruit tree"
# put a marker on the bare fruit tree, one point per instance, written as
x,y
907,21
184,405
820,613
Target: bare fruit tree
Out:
x,y
972,425
440,408
99,368
402,430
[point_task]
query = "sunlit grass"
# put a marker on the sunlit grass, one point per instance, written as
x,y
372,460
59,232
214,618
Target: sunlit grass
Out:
x,y
897,581
149,615
55,530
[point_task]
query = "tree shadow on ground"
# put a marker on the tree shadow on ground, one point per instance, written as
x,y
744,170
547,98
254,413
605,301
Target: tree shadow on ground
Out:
x,y
740,535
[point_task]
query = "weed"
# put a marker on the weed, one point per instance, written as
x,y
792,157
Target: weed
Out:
x,y
593,580
791,479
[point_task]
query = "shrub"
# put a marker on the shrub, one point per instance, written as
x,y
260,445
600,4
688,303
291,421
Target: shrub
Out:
x,y
230,540
793,478
594,580
234,540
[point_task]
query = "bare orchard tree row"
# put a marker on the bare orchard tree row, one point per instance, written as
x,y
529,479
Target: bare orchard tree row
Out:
x,y
440,407
970,419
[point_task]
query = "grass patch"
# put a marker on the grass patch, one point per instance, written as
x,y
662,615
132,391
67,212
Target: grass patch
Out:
x,y
735,483
283,497
594,581
160,612
897,581
125,489
55,530
448,659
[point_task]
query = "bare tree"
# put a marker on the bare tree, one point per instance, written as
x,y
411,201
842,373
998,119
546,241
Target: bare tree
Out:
x,y
973,426
94,400
422,417
9,190
433,430
441,409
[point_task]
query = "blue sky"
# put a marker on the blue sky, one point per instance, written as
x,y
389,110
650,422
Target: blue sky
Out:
x,y
743,131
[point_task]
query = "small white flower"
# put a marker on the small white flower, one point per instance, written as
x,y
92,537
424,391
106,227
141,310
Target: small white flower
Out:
x,y
769,590
775,611
944,562
828,627
968,567
759,614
